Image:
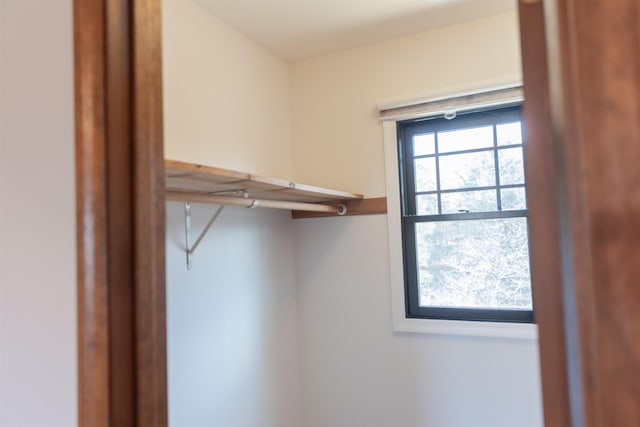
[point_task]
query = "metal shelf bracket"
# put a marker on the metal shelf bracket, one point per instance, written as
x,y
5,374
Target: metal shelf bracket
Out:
x,y
187,229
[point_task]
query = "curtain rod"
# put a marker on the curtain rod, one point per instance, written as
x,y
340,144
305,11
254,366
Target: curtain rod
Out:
x,y
180,196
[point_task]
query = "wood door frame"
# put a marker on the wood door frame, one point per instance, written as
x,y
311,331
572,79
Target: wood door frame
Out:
x,y
120,213
583,105
544,244
594,83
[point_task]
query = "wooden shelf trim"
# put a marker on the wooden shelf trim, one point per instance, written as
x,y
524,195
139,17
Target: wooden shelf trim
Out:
x,y
373,206
207,184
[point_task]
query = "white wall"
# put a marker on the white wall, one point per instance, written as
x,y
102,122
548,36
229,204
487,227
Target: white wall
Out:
x,y
355,371
226,99
232,329
37,216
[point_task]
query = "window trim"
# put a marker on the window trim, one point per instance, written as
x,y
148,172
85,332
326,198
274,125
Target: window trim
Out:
x,y
401,323
410,217
463,100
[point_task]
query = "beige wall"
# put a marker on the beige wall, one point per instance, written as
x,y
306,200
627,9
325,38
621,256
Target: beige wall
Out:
x,y
37,216
355,370
337,139
226,99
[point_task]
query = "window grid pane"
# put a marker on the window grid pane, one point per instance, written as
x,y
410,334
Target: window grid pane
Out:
x,y
457,263
423,144
509,133
469,201
427,204
467,206
514,198
468,170
425,174
465,139
511,165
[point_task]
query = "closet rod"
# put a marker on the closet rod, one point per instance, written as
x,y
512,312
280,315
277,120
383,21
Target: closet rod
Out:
x,y
180,196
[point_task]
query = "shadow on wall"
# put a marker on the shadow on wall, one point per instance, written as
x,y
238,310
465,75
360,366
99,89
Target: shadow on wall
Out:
x,y
232,330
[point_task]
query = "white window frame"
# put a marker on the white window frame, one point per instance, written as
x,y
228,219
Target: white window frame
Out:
x,y
401,323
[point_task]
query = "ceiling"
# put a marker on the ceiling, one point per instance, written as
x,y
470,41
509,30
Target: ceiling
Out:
x,y
299,29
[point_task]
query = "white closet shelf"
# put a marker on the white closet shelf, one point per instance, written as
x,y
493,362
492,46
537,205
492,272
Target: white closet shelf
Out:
x,y
190,182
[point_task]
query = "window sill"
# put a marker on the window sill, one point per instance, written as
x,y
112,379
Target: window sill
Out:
x,y
527,331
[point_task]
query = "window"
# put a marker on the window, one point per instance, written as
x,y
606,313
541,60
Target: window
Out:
x,y
464,226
